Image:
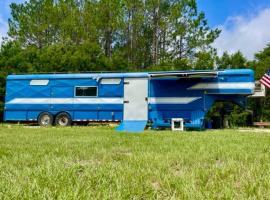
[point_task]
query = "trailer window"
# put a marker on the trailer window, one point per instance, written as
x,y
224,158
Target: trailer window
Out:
x,y
83,91
39,82
110,81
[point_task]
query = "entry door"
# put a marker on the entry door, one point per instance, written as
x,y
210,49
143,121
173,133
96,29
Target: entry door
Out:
x,y
135,99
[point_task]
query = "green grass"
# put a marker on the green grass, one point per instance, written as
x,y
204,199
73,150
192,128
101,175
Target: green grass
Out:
x,y
98,163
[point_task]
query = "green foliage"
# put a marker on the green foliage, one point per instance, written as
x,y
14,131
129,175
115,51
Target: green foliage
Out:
x,y
140,33
262,62
236,60
236,115
204,60
239,117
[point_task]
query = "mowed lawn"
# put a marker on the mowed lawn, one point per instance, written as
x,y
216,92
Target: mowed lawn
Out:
x,y
99,163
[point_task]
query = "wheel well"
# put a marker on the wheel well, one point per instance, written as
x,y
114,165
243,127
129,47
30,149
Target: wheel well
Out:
x,y
44,112
58,119
63,112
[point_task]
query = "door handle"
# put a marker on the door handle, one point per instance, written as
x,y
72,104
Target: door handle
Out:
x,y
126,101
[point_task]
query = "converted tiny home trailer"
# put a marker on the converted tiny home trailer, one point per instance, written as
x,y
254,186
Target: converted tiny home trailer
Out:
x,y
134,99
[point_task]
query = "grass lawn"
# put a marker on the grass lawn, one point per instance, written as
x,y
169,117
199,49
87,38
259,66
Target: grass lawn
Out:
x,y
98,163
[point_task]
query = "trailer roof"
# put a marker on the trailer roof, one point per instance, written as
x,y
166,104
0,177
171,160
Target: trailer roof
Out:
x,y
98,75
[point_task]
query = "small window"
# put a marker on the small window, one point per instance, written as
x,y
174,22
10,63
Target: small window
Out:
x,y
39,82
110,81
83,91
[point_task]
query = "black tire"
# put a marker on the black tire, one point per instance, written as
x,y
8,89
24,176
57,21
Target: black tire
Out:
x,y
63,119
45,119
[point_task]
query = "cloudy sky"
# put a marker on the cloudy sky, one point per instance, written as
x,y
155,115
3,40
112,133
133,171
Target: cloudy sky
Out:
x,y
245,24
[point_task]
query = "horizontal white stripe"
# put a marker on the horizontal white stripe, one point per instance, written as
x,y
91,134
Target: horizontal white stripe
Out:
x,y
152,100
66,101
172,100
237,85
29,101
98,100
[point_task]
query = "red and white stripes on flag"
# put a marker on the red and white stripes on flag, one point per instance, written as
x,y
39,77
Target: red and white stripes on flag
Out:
x,y
265,80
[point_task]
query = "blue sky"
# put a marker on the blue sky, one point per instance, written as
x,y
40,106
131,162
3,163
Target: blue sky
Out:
x,y
218,11
245,24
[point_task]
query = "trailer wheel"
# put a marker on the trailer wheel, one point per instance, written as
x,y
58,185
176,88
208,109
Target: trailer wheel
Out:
x,y
45,119
63,119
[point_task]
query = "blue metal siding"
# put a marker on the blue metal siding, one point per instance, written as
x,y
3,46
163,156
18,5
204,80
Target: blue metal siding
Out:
x,y
22,89
230,85
16,115
61,89
161,114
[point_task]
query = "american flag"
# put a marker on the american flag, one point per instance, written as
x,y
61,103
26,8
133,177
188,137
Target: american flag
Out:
x,y
265,80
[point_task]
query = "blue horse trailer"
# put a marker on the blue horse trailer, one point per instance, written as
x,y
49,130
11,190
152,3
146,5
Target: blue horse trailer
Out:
x,y
134,99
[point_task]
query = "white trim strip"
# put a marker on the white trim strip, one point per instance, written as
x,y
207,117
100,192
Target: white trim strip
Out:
x,y
98,100
172,100
66,101
152,100
230,85
30,101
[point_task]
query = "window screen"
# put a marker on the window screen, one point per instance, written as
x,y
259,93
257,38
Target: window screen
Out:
x,y
86,91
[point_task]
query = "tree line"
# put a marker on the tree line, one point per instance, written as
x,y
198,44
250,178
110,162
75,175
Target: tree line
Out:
x,y
115,35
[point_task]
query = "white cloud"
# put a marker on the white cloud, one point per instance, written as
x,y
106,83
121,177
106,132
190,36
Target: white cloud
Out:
x,y
247,34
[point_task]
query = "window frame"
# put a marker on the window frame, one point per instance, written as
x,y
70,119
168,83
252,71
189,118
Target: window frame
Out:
x,y
78,86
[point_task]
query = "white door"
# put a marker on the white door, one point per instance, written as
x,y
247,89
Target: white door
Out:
x,y
135,99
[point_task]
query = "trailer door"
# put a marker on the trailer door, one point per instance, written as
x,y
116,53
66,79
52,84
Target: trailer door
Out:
x,y
135,99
